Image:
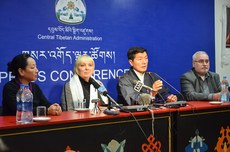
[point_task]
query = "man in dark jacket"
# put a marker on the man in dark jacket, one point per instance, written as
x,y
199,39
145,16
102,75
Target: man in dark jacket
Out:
x,y
199,83
127,94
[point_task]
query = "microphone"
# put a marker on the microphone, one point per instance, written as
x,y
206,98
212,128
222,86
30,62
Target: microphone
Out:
x,y
101,88
94,83
169,85
98,86
139,85
145,99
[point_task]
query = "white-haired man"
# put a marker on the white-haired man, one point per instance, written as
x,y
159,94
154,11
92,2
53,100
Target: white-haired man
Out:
x,y
199,83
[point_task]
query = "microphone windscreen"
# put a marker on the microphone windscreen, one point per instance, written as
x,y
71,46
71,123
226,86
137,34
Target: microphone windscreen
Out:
x,y
144,99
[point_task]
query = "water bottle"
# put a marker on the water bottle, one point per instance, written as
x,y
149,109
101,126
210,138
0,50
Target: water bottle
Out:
x,y
224,90
27,106
19,104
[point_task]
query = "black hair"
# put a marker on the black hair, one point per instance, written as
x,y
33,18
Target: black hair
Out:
x,y
134,50
19,61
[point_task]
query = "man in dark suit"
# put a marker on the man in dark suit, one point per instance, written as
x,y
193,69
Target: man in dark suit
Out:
x,y
199,83
127,95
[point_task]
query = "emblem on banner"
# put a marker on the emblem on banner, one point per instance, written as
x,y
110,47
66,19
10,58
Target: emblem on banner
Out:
x,y
70,11
152,146
114,146
196,144
223,143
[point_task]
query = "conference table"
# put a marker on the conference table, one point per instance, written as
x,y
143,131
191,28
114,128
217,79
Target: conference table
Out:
x,y
159,129
82,131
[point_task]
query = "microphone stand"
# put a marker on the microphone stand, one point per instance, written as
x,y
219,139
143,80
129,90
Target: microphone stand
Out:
x,y
109,111
176,104
171,86
104,92
113,101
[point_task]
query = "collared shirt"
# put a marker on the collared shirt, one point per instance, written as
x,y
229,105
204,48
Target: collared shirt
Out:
x,y
204,85
140,75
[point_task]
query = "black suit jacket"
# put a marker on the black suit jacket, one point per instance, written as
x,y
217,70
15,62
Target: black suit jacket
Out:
x,y
128,96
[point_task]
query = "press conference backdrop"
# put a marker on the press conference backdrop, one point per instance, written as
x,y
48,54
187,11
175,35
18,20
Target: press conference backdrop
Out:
x,y
55,33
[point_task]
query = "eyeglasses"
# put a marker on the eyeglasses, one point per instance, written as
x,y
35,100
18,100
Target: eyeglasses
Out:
x,y
202,61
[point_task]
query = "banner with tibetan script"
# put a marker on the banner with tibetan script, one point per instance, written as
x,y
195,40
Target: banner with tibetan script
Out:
x,y
56,32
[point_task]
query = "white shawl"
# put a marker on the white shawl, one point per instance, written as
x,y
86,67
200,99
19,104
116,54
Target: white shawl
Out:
x,y
77,91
